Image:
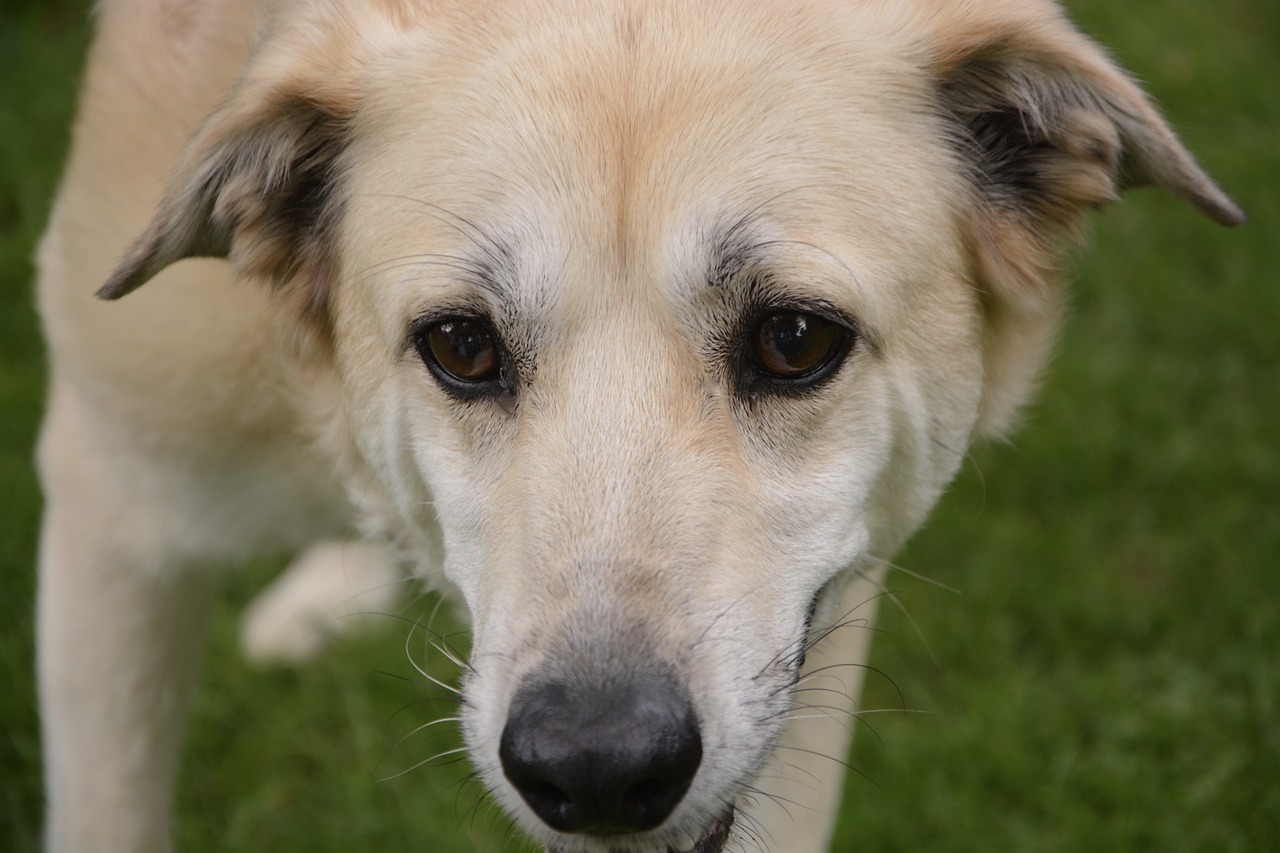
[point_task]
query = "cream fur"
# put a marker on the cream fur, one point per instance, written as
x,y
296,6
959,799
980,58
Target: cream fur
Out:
x,y
611,182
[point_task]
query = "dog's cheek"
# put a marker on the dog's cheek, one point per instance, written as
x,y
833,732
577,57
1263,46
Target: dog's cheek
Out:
x,y
813,482
465,501
408,462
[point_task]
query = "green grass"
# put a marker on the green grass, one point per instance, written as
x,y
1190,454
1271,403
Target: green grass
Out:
x,y
1107,678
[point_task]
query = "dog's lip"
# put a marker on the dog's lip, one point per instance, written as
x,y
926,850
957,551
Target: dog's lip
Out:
x,y
716,835
712,840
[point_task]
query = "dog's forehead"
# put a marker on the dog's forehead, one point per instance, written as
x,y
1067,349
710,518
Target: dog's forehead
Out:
x,y
657,144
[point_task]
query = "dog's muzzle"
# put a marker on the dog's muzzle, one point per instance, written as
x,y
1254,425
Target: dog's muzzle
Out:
x,y
605,759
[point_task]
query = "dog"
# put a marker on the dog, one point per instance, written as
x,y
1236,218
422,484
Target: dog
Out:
x,y
646,331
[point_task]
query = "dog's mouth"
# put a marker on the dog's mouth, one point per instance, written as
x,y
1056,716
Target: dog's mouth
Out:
x,y
713,839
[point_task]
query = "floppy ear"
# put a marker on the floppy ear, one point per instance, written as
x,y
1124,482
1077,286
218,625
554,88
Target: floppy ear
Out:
x,y
259,185
1046,126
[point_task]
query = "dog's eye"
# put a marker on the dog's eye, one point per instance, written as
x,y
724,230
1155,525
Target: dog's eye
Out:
x,y
465,350
792,345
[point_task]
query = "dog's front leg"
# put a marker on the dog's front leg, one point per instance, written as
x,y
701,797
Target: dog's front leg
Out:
x,y
799,792
332,589
120,632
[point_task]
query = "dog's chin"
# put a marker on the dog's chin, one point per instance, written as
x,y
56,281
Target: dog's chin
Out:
x,y
713,840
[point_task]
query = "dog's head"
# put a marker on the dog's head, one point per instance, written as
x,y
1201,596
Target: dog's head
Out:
x,y
666,317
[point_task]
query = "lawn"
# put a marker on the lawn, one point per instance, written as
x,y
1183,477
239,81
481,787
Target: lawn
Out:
x,y
1106,675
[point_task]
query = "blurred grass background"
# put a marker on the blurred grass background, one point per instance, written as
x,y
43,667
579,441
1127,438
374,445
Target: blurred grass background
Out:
x,y
1107,676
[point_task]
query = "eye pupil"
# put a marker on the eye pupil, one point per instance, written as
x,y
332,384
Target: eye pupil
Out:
x,y
464,349
791,345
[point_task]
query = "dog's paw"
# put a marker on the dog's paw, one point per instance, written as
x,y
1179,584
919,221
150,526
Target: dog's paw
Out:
x,y
330,590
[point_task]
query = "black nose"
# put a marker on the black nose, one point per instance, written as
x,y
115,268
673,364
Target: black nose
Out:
x,y
601,759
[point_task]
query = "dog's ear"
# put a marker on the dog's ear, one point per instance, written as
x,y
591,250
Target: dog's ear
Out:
x,y
260,182
1046,126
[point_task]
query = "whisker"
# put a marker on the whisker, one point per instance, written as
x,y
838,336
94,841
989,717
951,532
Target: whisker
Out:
x,y
846,765
723,612
923,578
449,655
743,825
426,761
428,676
968,456
427,725
914,624
814,674
779,799
806,771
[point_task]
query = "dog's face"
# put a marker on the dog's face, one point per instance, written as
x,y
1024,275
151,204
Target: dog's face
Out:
x,y
661,320
667,338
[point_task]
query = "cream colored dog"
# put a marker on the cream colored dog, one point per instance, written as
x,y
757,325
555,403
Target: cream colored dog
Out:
x,y
648,329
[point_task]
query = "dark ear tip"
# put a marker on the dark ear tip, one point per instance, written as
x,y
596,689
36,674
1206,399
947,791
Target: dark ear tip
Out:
x,y
123,281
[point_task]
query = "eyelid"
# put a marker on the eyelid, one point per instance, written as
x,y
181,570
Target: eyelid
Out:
x,y
460,310
828,311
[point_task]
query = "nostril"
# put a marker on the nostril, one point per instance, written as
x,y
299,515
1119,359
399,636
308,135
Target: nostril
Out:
x,y
552,805
590,759
647,803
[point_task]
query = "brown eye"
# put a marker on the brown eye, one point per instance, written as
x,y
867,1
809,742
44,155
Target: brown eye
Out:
x,y
465,350
792,345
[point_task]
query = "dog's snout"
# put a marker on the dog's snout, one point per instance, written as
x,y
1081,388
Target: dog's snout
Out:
x,y
602,759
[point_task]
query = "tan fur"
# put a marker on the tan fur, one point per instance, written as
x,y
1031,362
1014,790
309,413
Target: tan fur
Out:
x,y
613,184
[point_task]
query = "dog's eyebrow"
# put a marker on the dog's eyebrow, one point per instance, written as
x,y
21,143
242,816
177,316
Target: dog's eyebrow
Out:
x,y
496,281
747,256
747,244
494,267
734,248
490,263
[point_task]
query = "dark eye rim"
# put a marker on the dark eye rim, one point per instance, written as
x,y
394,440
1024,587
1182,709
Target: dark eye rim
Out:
x,y
755,378
501,383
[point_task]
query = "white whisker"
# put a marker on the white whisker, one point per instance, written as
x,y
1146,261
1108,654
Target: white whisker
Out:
x,y
423,762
